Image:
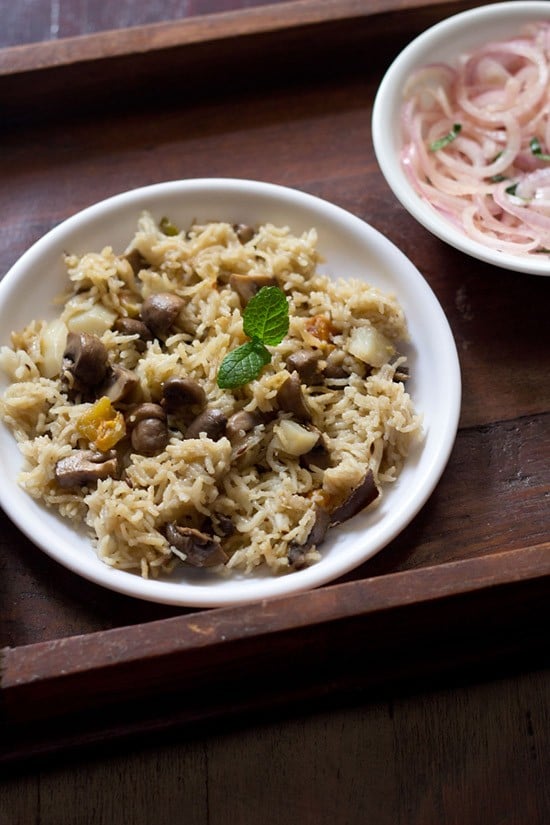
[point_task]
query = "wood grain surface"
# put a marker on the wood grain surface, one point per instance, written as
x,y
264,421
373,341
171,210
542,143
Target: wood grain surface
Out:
x,y
333,718
475,754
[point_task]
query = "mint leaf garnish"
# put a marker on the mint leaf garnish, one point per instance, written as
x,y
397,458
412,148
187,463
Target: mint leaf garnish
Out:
x,y
446,139
266,316
536,149
265,321
242,365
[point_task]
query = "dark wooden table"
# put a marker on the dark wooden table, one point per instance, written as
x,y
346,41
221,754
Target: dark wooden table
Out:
x,y
429,704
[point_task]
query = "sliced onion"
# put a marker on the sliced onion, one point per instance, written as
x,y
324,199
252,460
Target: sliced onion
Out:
x,y
487,180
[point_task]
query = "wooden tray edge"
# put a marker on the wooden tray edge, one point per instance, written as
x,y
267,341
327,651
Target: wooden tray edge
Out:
x,y
157,37
401,632
48,665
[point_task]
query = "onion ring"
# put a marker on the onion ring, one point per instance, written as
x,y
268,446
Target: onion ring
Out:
x,y
477,141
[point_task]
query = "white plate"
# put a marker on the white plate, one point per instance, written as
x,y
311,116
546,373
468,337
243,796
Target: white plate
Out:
x,y
351,249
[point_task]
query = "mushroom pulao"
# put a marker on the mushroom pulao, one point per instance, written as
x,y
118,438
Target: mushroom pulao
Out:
x,y
127,427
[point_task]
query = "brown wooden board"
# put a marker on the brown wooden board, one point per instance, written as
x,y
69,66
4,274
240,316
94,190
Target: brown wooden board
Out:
x,y
282,94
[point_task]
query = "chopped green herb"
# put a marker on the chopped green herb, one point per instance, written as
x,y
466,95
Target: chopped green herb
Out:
x,y
536,149
243,364
511,190
266,316
265,321
446,139
167,227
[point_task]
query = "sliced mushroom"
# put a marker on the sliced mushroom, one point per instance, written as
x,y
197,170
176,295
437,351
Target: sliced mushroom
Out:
x,y
297,552
318,456
149,432
241,423
248,442
119,384
224,524
297,555
334,367
211,422
160,311
85,356
290,398
359,498
136,261
200,549
246,286
319,530
150,436
142,411
244,232
133,326
306,363
178,394
84,467
401,373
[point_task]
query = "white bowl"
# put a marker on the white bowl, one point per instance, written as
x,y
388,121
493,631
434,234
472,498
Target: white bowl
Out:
x,y
351,248
445,42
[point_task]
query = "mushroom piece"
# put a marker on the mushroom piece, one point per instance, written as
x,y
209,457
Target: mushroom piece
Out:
x,y
224,524
297,552
85,466
359,498
244,232
306,363
119,384
85,356
401,372
248,444
133,326
149,433
136,261
246,286
218,524
211,422
334,367
200,549
160,311
290,398
318,456
241,423
180,393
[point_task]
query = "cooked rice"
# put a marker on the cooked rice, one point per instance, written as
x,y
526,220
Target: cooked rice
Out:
x,y
368,418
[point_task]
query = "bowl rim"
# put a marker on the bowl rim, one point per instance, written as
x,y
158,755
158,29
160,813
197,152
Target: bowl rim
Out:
x,y
386,136
170,592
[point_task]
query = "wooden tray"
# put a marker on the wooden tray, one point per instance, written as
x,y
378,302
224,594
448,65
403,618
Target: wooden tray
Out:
x,y
281,93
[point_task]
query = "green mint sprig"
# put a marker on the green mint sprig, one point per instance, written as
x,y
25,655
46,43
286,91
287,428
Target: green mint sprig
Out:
x,y
265,321
446,139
